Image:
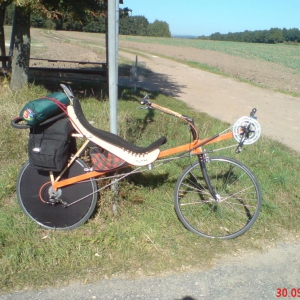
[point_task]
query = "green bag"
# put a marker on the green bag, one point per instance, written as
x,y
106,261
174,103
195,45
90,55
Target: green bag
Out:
x,y
39,110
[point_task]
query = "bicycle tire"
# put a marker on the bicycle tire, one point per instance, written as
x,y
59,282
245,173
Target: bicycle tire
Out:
x,y
32,186
238,205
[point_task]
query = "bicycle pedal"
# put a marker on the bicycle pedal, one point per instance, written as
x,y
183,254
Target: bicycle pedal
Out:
x,y
51,202
64,204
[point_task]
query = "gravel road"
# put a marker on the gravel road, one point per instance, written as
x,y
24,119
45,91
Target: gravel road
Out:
x,y
248,276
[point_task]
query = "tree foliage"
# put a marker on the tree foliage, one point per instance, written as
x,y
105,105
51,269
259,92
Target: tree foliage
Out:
x,y
35,10
159,28
87,15
135,25
272,36
63,16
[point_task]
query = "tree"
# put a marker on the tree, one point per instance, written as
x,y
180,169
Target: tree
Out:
x,y
293,35
275,36
97,25
3,6
159,28
52,9
215,36
21,48
9,13
135,25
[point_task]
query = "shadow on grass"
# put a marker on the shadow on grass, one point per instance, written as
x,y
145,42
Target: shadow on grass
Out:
x,y
151,81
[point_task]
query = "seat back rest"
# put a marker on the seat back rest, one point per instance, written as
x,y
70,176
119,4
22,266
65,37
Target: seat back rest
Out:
x,y
104,138
113,138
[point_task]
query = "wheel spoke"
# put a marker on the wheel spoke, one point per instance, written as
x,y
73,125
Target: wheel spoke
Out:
x,y
237,206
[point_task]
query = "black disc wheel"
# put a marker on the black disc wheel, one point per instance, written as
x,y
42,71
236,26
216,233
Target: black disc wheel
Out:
x,y
233,209
77,204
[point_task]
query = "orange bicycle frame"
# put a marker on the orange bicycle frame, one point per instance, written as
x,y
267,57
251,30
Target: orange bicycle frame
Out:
x,y
193,147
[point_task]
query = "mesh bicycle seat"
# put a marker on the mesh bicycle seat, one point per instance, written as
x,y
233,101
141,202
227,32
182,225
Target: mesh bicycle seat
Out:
x,y
111,137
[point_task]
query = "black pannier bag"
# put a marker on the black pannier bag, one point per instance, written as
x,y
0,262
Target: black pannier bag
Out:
x,y
50,145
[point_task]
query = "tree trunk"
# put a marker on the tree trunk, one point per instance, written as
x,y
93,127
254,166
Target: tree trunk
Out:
x,y
2,37
21,48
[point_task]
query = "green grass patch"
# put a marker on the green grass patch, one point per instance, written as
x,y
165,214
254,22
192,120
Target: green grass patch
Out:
x,y
145,237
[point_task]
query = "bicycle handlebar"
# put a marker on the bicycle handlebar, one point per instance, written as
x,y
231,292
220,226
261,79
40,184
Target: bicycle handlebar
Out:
x,y
15,122
149,105
145,101
68,92
246,130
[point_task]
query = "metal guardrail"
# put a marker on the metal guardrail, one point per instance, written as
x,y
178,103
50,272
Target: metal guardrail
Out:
x,y
70,61
5,58
70,74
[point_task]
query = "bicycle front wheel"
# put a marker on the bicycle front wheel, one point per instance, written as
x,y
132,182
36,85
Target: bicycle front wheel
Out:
x,y
238,199
33,188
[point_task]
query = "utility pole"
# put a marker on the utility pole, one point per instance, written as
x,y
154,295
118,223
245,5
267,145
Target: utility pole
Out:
x,y
113,11
113,32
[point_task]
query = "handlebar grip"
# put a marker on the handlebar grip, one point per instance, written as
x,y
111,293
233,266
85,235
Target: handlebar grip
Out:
x,y
145,100
15,123
67,91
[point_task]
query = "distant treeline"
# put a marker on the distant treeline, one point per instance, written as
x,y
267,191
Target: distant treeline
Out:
x,y
129,25
272,36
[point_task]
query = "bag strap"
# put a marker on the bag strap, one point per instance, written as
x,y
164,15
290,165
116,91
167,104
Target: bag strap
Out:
x,y
63,107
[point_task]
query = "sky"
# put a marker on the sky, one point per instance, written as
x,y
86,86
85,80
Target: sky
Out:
x,y
204,17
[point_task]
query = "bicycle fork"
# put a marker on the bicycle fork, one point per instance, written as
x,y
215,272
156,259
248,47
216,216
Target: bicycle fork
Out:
x,y
203,159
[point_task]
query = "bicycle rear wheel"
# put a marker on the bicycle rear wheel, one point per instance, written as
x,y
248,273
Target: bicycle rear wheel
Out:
x,y
33,188
238,199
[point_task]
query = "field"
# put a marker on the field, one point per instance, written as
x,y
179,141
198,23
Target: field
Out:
x,y
278,54
273,66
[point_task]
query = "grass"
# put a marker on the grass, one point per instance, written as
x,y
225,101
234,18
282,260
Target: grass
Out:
x,y
145,237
